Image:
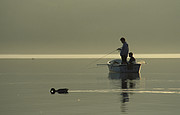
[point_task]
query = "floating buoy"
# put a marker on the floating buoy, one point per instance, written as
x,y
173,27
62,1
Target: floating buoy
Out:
x,y
60,91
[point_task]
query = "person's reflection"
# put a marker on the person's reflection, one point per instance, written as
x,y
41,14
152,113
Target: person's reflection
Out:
x,y
124,85
127,82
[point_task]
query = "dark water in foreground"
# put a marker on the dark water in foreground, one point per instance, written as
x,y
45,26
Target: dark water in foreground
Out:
x,y
25,85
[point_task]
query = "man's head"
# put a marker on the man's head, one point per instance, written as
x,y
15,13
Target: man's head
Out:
x,y
130,54
122,40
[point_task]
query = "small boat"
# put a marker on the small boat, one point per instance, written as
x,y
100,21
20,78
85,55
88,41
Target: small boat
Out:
x,y
116,66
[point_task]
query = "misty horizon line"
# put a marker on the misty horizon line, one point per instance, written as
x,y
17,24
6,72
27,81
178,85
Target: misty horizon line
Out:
x,y
85,56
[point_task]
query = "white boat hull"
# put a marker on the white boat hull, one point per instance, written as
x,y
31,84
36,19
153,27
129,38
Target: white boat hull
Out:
x,y
123,68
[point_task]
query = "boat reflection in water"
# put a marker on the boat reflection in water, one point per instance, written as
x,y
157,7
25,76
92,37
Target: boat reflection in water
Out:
x,y
126,82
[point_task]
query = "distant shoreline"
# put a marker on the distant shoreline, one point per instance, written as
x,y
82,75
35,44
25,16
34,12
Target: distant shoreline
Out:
x,y
82,56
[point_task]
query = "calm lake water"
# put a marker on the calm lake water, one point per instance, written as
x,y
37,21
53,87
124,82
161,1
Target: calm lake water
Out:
x,y
25,86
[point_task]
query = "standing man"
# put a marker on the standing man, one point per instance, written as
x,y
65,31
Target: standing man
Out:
x,y
124,51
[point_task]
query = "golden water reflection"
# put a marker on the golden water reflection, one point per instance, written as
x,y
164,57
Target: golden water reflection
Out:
x,y
124,81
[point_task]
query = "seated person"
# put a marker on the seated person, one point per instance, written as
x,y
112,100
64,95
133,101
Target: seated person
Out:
x,y
132,60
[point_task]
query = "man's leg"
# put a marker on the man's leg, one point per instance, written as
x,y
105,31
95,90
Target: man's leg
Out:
x,y
124,59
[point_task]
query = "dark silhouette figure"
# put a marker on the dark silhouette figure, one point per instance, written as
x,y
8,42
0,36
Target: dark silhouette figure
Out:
x,y
132,60
124,51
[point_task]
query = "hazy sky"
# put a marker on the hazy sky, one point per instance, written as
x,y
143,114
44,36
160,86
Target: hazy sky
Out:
x,y
88,26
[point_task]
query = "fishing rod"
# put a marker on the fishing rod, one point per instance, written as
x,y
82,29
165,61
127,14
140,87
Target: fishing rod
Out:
x,y
102,57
